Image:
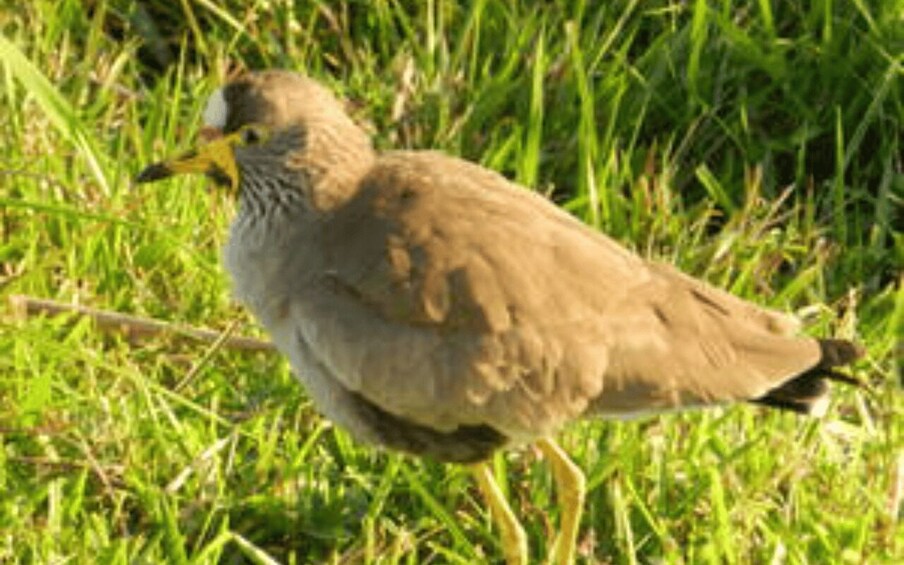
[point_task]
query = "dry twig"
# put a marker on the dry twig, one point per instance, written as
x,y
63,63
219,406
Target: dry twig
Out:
x,y
134,327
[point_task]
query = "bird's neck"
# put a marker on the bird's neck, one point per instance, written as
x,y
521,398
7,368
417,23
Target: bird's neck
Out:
x,y
322,172
335,159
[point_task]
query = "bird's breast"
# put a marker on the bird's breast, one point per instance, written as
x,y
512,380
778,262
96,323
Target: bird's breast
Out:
x,y
264,263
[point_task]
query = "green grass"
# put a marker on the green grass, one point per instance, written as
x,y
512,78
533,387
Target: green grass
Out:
x,y
757,145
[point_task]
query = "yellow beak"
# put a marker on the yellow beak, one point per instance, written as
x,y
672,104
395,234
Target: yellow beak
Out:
x,y
215,159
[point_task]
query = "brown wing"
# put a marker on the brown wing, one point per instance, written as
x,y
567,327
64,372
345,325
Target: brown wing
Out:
x,y
683,343
448,296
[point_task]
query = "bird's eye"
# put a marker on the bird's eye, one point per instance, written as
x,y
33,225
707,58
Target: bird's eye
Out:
x,y
252,135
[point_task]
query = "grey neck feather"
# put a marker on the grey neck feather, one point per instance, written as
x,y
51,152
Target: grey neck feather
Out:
x,y
272,199
269,185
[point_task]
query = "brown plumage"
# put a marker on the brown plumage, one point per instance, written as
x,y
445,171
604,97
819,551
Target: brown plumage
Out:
x,y
432,306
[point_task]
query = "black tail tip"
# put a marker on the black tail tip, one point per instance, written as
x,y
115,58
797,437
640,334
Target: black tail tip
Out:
x,y
154,172
807,393
837,352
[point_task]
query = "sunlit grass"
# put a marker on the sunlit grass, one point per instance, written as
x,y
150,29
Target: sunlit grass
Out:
x,y
757,148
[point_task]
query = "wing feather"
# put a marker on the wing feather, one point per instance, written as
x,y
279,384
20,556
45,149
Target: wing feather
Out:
x,y
449,296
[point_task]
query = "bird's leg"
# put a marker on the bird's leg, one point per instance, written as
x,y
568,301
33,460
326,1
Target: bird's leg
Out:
x,y
571,487
514,540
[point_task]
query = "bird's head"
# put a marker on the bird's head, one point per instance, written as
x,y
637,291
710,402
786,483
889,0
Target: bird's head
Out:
x,y
274,126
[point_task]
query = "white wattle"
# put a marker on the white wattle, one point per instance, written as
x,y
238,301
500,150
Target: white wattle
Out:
x,y
215,112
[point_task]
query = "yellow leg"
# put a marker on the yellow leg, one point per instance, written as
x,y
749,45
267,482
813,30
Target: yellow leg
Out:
x,y
571,487
514,540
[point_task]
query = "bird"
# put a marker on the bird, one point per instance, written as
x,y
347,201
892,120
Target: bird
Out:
x,y
431,306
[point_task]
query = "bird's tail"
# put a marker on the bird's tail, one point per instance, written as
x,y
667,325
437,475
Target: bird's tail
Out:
x,y
807,393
